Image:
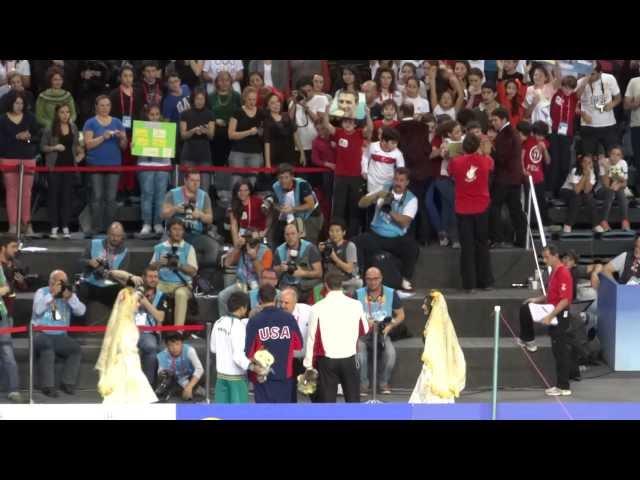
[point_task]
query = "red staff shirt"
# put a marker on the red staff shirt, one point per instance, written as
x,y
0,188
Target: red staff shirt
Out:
x,y
470,174
563,110
560,286
348,152
533,159
252,216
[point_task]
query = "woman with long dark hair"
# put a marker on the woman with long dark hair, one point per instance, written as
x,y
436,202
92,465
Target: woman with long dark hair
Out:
x,y
61,146
245,212
511,95
578,191
280,136
387,90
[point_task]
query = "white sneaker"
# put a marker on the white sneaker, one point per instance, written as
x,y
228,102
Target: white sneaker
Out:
x,y
557,392
65,233
146,230
340,392
598,229
158,229
567,229
54,233
530,346
406,285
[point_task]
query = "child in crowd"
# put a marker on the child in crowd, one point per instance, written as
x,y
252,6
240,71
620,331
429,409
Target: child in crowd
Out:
x,y
179,370
474,128
381,159
475,79
535,150
389,119
577,191
614,174
412,96
153,184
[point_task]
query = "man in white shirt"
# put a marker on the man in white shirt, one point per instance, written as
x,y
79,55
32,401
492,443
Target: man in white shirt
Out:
x,y
337,322
302,313
213,67
380,161
304,110
632,103
599,94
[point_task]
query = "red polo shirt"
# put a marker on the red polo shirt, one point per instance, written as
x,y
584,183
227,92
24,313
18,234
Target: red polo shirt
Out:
x,y
560,285
348,152
470,173
563,109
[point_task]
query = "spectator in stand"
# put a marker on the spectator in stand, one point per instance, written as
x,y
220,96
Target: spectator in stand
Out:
x,y
508,179
192,205
223,101
563,110
461,71
52,97
350,82
176,101
380,160
537,101
389,119
152,90
40,68
22,67
626,266
408,71
189,71
340,256
323,154
382,308
348,179
599,94
632,103
256,80
451,100
489,104
197,129
511,95
245,132
212,69
577,191
7,357
614,173
535,155
508,70
298,262
153,185
411,95
303,110
16,84
274,72
281,139
470,173
53,306
95,77
475,79
386,83
105,139
318,86
307,68
177,263
179,370
246,213
60,144
416,150
19,132
395,210
370,90
127,105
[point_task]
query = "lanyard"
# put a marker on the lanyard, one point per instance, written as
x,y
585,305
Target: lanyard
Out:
x,y
146,90
369,303
568,102
188,197
130,103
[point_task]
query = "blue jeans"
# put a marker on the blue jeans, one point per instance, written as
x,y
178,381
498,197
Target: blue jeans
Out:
x,y
148,346
385,363
7,358
153,187
443,220
103,206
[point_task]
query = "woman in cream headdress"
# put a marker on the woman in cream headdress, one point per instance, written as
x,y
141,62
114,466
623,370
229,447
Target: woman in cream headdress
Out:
x,y
444,371
121,378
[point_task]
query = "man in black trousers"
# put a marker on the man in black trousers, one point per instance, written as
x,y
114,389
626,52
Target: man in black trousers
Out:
x,y
509,175
337,322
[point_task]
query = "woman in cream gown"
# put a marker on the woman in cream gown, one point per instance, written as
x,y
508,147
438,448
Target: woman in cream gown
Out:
x,y
444,369
121,378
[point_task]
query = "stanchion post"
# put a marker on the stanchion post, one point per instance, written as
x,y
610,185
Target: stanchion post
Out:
x,y
176,175
207,378
528,245
496,347
20,181
30,362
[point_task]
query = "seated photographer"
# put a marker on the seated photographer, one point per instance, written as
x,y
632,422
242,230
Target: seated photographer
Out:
x,y
14,273
176,260
247,212
179,370
297,262
267,277
395,210
251,257
153,307
382,306
192,205
296,203
99,287
340,256
53,306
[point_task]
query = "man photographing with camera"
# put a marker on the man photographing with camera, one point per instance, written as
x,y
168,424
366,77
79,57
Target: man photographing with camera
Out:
x,y
13,272
53,306
176,260
297,262
340,256
192,205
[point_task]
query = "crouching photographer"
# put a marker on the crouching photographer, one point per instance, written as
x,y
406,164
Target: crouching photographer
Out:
x,y
177,263
53,306
179,370
99,286
340,256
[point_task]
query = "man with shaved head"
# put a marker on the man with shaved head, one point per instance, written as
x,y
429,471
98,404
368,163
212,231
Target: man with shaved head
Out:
x,y
100,286
302,313
53,306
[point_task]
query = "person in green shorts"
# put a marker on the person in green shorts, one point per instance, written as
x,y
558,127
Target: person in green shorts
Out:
x,y
227,343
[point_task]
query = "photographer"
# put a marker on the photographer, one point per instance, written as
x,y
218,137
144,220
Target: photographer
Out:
x,y
53,306
176,260
252,257
382,304
340,256
296,203
192,206
13,272
99,286
298,262
7,357
179,370
395,210
153,306
303,109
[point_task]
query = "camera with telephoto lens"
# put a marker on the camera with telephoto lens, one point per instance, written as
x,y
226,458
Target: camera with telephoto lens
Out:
x,y
173,259
188,215
268,203
329,247
250,241
166,380
386,203
101,270
292,262
64,287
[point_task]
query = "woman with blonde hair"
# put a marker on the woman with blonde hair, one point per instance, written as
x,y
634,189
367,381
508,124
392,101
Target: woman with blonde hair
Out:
x,y
444,371
245,133
122,380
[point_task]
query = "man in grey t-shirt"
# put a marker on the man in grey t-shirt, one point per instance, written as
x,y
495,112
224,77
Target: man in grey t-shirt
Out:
x,y
341,256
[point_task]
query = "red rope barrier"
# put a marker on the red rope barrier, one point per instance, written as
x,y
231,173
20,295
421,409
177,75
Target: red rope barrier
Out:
x,y
164,328
160,168
4,331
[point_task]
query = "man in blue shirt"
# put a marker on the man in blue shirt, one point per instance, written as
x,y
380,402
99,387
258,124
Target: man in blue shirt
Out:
x,y
53,306
177,99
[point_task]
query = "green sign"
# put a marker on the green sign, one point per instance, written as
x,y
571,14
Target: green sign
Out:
x,y
154,139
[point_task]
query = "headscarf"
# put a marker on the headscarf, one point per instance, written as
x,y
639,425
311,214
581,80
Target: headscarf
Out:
x,y
442,353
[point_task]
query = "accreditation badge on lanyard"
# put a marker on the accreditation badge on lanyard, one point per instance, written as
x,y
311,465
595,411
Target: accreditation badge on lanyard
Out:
x,y
127,120
563,127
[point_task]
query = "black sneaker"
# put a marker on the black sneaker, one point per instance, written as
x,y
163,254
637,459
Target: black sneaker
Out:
x,y
68,389
50,392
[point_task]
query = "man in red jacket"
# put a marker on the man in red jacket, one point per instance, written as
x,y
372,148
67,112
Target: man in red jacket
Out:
x,y
470,173
508,179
